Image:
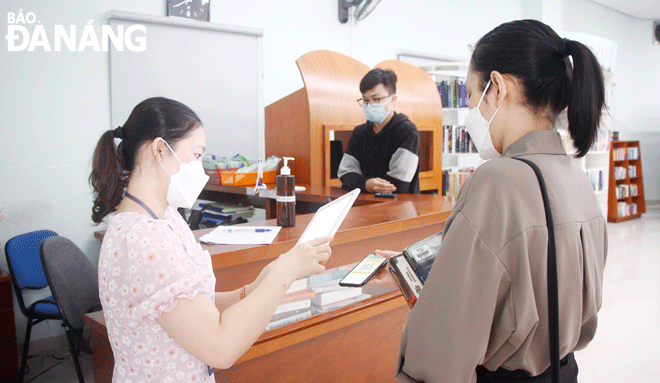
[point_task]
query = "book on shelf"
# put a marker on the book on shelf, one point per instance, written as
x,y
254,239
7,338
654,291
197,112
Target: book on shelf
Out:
x,y
334,296
340,304
453,179
619,173
453,94
287,314
596,179
619,154
625,209
293,306
289,319
634,190
456,139
633,153
297,296
411,268
297,285
225,208
622,191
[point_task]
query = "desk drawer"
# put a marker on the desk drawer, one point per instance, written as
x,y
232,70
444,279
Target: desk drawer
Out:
x,y
6,297
7,325
9,360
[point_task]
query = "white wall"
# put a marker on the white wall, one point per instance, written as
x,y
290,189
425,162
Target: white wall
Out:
x,y
55,105
636,106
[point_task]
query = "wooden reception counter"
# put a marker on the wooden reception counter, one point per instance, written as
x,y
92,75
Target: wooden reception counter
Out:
x,y
357,343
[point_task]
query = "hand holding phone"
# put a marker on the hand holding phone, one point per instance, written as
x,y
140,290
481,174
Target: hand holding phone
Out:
x,y
363,271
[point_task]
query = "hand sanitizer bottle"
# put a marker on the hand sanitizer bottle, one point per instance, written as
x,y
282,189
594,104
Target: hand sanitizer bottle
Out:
x,y
286,196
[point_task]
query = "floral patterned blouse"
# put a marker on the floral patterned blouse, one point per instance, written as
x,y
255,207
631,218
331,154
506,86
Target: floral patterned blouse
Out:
x,y
145,265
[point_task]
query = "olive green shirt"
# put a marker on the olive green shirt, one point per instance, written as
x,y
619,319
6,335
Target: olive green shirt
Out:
x,y
485,301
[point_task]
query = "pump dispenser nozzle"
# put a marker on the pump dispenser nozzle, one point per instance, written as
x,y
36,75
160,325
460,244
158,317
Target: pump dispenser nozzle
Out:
x,y
285,171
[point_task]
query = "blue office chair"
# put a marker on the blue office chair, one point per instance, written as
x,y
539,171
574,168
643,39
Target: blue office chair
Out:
x,y
23,259
74,284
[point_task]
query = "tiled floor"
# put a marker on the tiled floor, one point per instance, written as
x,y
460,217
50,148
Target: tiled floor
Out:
x,y
627,344
47,368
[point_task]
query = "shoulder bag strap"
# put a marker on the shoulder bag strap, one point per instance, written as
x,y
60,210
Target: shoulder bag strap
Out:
x,y
553,301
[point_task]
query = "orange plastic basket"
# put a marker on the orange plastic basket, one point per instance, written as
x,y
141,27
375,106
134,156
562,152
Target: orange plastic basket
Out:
x,y
214,176
231,178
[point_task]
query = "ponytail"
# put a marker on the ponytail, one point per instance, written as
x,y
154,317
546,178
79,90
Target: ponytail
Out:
x,y
111,166
535,54
107,178
586,97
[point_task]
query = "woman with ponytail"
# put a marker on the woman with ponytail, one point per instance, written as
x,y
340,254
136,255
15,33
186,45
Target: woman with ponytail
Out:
x,y
483,315
165,321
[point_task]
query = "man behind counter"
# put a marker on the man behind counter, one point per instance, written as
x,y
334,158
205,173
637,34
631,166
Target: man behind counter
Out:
x,y
383,153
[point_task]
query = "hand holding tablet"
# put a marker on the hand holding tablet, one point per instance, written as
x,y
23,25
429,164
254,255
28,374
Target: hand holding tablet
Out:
x,y
329,217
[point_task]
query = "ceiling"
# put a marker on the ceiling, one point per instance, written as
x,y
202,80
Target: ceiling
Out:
x,y
641,9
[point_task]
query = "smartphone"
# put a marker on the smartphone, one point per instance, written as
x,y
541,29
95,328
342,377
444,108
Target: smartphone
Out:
x,y
364,270
385,195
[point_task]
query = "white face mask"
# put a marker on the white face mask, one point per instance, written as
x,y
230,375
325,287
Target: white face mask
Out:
x,y
376,113
186,184
479,130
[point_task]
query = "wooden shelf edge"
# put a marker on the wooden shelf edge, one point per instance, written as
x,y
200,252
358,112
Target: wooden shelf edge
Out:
x,y
626,218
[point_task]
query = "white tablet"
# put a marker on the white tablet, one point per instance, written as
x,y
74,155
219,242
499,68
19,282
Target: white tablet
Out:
x,y
327,219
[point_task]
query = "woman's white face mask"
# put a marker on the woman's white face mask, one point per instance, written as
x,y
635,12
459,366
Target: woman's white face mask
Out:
x,y
186,184
479,129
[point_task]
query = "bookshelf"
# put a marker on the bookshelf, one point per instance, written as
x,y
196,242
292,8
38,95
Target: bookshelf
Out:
x,y
459,156
626,185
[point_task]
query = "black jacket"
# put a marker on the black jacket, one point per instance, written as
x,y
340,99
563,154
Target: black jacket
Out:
x,y
392,154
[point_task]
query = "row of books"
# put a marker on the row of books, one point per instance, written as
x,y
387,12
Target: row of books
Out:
x,y
625,191
632,171
596,179
620,173
621,154
456,139
314,295
453,179
626,209
453,94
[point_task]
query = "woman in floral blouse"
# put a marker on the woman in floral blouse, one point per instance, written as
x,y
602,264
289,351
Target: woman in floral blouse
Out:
x,y
165,321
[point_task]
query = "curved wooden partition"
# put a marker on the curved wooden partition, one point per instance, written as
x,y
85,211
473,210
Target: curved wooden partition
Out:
x,y
299,124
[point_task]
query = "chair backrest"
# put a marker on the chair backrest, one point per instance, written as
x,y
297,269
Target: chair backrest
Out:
x,y
72,279
22,252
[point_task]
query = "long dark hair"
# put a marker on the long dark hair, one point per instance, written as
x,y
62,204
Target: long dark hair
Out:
x,y
112,165
531,51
